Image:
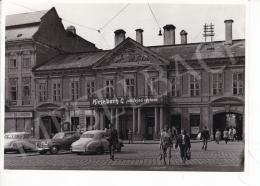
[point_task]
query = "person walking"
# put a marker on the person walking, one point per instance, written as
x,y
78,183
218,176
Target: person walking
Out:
x,y
183,141
165,145
130,136
230,134
217,136
225,135
113,140
205,137
234,132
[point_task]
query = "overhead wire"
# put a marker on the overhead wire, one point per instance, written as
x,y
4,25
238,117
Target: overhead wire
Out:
x,y
154,17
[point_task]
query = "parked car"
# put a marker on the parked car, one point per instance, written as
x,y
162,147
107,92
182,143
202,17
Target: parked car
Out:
x,y
94,141
19,142
60,141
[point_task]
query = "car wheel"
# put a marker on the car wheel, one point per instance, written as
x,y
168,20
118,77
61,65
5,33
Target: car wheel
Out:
x,y
54,150
100,150
43,152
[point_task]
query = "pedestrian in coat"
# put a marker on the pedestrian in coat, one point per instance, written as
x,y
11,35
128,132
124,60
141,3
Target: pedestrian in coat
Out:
x,y
217,136
225,135
113,140
183,142
205,138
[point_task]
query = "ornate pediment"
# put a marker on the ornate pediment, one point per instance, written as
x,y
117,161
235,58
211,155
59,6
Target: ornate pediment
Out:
x,y
130,53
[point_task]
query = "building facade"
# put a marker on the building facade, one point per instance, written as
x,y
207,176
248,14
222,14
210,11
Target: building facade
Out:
x,y
145,89
31,40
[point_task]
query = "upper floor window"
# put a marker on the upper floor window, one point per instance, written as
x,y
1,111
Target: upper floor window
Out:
x,y
75,90
175,86
26,61
13,90
90,86
26,90
238,83
42,92
130,87
194,85
56,91
12,63
217,83
109,89
152,86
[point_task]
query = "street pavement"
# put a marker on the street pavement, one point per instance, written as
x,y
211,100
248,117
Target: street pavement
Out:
x,y
218,157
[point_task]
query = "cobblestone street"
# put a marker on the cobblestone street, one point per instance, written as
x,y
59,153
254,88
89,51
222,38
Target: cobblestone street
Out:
x,y
220,157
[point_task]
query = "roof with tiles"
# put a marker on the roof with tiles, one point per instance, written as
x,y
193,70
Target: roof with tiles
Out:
x,y
70,61
196,51
24,18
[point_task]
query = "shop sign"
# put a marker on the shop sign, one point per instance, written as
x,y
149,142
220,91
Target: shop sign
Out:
x,y
125,101
18,115
195,130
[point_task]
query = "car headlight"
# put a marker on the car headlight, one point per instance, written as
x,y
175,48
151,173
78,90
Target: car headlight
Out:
x,y
44,143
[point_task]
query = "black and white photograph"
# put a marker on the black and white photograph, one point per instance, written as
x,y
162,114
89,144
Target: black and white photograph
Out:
x,y
124,86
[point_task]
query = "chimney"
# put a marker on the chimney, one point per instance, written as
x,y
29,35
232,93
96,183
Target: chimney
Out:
x,y
139,36
119,36
228,30
169,35
183,34
71,29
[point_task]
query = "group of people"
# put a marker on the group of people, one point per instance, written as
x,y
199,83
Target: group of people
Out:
x,y
228,135
166,143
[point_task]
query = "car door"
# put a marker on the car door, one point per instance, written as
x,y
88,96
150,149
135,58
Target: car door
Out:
x,y
69,139
104,142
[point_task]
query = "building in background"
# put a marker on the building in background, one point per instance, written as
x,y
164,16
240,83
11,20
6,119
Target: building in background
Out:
x,y
144,88
31,39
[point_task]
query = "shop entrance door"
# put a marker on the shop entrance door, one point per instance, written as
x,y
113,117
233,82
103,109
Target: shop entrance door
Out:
x,y
49,126
149,128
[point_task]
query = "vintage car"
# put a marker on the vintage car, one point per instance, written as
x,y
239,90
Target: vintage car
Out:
x,y
19,142
94,141
60,141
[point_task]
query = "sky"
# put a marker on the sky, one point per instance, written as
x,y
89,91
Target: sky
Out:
x,y
190,17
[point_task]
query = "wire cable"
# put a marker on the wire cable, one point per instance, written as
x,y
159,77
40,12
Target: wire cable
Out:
x,y
150,8
112,18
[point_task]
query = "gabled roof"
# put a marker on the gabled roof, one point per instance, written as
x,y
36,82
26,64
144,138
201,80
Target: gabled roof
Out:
x,y
196,51
24,18
69,61
123,51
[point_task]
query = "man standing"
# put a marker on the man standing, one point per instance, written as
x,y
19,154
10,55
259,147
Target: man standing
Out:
x,y
205,137
183,141
130,136
113,140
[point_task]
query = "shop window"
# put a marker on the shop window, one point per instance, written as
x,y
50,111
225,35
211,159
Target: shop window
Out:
x,y
89,126
194,85
238,83
90,89
175,86
130,87
109,88
217,83
194,125
74,123
75,90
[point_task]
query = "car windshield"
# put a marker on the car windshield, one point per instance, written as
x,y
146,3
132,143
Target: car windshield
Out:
x,y
87,136
14,136
58,136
